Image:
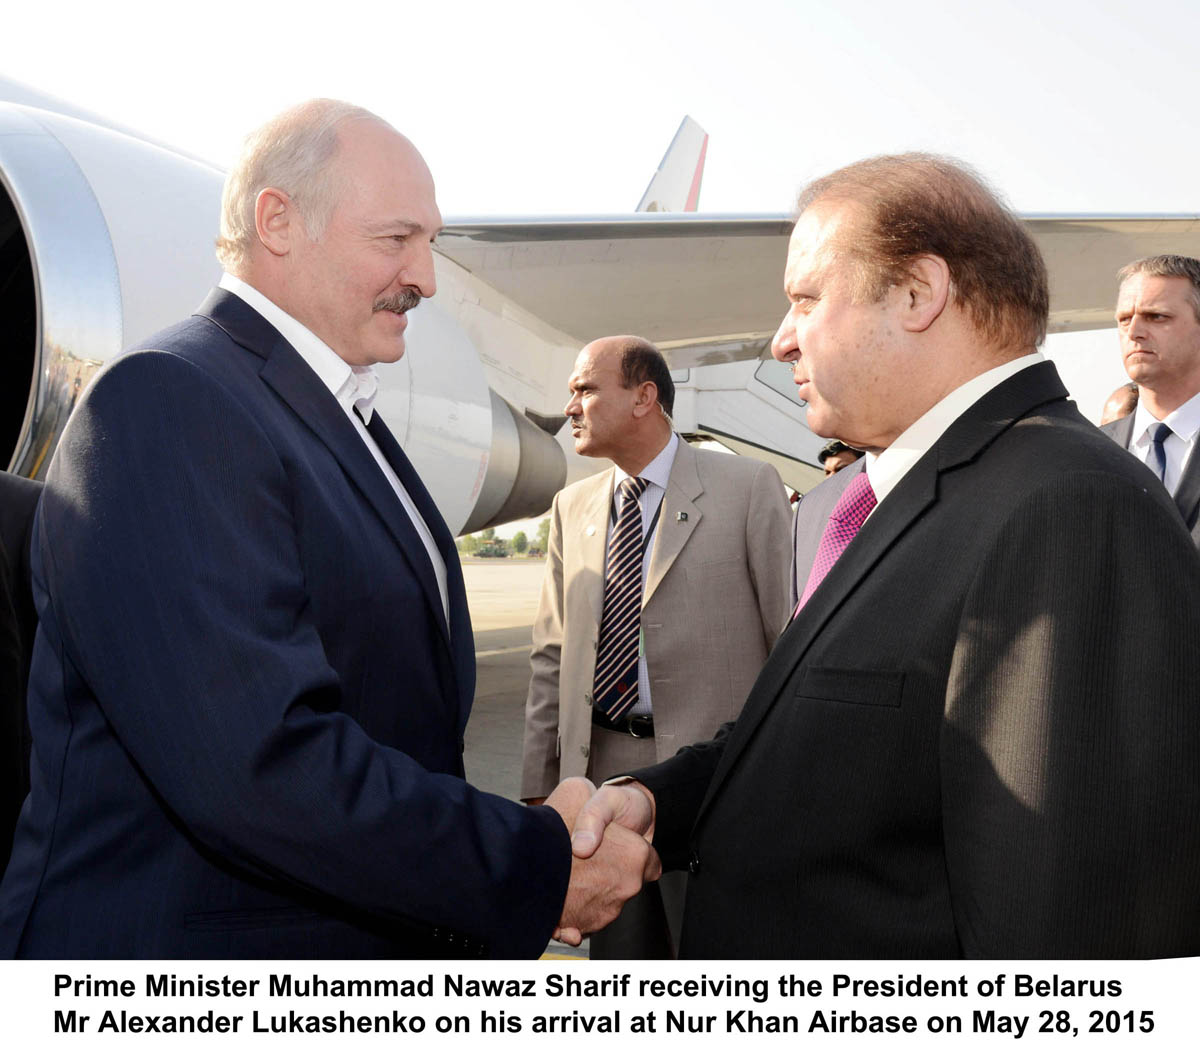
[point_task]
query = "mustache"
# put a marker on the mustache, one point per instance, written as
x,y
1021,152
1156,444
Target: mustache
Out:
x,y
401,302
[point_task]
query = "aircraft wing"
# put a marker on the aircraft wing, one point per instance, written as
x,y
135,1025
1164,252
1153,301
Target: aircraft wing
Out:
x,y
687,280
1084,252
673,278
708,290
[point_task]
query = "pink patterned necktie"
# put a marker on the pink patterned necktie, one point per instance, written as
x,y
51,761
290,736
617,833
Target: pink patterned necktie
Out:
x,y
851,510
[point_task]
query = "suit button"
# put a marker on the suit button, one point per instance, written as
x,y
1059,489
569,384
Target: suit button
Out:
x,y
583,749
587,699
694,863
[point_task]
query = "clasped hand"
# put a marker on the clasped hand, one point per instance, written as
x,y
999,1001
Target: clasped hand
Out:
x,y
612,858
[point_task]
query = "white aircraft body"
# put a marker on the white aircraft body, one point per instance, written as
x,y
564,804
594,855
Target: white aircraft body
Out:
x,y
106,237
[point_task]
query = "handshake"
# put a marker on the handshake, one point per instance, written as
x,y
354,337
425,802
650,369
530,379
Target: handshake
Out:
x,y
612,858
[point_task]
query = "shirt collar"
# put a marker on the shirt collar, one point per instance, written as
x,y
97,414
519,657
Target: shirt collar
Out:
x,y
1184,421
352,386
658,470
886,469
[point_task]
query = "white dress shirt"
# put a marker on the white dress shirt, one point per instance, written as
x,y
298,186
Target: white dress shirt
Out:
x,y
886,469
348,385
1184,422
657,474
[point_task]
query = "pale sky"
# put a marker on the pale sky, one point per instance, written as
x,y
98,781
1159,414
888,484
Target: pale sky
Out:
x,y
545,107
550,107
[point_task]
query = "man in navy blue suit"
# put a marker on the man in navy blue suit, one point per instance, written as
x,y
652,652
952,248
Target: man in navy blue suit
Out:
x,y
255,663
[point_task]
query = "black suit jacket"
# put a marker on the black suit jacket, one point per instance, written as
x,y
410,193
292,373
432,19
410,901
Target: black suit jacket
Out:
x,y
247,704
979,738
1187,495
18,622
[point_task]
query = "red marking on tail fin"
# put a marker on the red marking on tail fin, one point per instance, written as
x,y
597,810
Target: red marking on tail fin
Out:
x,y
693,198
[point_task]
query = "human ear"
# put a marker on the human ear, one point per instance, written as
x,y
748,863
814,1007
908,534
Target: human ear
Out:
x,y
926,291
273,220
646,400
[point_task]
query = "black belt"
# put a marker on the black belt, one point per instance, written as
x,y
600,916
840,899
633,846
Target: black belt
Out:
x,y
640,726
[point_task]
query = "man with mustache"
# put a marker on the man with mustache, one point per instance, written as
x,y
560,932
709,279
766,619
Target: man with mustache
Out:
x,y
665,587
255,663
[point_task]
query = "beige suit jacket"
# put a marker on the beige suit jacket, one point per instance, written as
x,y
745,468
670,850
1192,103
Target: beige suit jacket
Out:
x,y
716,598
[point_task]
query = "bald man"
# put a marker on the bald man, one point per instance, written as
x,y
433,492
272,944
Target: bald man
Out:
x,y
709,552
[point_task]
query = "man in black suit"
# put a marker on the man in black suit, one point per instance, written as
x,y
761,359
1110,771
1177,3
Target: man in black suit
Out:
x,y
959,746
1158,318
18,622
255,663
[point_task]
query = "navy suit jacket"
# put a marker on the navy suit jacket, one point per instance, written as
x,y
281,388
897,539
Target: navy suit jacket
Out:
x,y
247,705
18,623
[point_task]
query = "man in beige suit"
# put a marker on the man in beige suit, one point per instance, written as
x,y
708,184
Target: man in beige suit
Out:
x,y
710,573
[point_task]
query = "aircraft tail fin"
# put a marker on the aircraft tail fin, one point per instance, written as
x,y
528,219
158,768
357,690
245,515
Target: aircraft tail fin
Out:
x,y
676,183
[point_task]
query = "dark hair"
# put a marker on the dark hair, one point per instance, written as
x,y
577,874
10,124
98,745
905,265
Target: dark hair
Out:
x,y
641,362
836,447
1167,266
917,204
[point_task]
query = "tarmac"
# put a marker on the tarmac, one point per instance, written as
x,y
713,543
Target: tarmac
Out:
x,y
503,597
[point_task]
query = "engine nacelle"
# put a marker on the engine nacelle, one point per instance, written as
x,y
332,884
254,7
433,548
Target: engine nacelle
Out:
x,y
106,238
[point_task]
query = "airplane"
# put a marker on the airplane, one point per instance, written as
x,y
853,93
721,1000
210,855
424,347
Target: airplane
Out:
x,y
106,237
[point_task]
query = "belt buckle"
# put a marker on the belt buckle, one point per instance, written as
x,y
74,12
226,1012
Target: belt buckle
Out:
x,y
641,726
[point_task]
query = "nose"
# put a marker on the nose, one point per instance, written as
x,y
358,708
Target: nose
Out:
x,y
785,346
1135,330
420,272
573,407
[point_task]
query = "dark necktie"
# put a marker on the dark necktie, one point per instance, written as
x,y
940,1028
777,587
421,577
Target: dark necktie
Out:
x,y
616,681
851,511
1157,461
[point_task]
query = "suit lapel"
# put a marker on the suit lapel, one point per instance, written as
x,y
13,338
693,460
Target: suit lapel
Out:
x,y
286,372
1187,495
1121,430
592,528
902,507
964,441
678,518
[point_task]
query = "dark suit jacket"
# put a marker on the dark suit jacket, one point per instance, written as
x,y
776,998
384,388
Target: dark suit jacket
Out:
x,y
247,706
1187,495
979,738
18,623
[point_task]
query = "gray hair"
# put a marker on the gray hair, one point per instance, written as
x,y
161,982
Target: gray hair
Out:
x,y
1167,266
291,152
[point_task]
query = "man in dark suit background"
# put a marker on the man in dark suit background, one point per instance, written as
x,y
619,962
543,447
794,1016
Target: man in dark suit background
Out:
x,y
959,746
255,664
18,622
1158,319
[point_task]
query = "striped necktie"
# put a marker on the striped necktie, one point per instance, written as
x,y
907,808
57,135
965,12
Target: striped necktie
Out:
x,y
616,681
